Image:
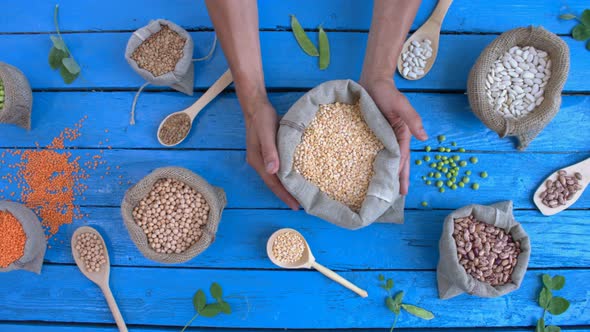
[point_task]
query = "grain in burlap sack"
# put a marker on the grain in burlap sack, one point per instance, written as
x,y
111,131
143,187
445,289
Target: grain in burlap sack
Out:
x,y
36,243
182,78
214,196
383,202
452,278
18,98
527,127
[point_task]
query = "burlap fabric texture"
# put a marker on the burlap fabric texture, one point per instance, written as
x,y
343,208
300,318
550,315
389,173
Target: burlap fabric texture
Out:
x,y
18,98
452,278
383,202
214,196
36,243
527,127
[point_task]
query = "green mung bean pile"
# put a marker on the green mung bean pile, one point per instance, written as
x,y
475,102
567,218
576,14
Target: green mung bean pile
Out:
x,y
1,95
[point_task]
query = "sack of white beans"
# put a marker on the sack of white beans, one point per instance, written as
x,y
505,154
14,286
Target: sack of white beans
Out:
x,y
515,86
339,157
483,252
16,98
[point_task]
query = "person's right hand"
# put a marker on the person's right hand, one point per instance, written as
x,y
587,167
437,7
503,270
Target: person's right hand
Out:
x,y
261,129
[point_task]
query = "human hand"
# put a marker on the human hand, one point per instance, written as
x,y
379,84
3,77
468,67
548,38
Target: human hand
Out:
x,y
261,128
404,120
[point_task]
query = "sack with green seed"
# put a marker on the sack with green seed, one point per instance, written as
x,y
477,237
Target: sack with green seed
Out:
x,y
529,125
382,201
486,257
16,98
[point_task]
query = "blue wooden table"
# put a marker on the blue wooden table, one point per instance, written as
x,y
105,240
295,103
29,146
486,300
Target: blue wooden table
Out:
x,y
155,297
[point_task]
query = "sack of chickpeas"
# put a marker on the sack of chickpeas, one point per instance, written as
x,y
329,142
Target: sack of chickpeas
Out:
x,y
172,214
515,86
339,157
22,239
483,252
16,98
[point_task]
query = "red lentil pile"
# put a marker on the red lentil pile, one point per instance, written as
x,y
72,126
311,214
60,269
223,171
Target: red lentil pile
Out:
x,y
12,241
50,178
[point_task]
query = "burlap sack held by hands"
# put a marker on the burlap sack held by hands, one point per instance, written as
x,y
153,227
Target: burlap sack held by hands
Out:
x,y
36,243
452,278
383,202
527,127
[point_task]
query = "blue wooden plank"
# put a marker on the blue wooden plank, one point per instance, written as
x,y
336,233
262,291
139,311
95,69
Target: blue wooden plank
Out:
x,y
240,240
44,327
272,299
284,64
464,16
513,176
221,126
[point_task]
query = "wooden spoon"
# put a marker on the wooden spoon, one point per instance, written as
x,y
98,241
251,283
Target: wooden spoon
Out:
x,y
583,168
308,261
429,30
101,278
192,111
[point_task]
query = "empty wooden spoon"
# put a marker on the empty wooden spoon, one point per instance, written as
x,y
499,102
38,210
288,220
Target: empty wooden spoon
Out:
x,y
583,168
101,278
181,122
429,30
308,261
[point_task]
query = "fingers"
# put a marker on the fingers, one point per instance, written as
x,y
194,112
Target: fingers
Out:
x,y
409,115
403,136
266,132
273,183
404,178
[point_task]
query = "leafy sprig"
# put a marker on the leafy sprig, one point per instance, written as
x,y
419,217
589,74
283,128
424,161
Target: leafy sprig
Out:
x,y
60,56
581,31
395,305
212,309
556,305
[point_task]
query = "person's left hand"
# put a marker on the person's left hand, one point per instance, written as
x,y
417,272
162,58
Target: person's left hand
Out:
x,y
402,117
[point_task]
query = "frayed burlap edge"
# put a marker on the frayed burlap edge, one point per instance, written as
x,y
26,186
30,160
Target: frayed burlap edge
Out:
x,y
214,196
525,128
18,98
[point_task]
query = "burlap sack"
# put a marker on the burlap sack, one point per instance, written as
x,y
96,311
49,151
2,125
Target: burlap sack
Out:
x,y
183,76
36,243
383,202
452,278
18,98
214,196
527,127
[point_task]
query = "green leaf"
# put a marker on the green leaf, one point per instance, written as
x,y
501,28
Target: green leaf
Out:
x,y
211,310
71,65
59,43
302,39
588,45
547,281
225,308
553,328
389,284
418,312
545,298
585,18
389,303
324,49
216,291
381,277
558,282
55,57
567,17
558,305
581,32
398,298
540,325
199,300
67,76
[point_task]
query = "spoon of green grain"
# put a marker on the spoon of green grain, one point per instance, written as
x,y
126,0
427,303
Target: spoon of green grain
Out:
x,y
176,126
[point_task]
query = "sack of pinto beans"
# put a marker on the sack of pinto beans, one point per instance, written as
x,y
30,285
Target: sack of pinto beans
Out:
x,y
483,252
23,240
172,214
16,98
339,157
515,86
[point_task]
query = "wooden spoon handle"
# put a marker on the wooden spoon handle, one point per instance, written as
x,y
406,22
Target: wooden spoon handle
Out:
x,y
440,11
211,93
114,308
332,275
